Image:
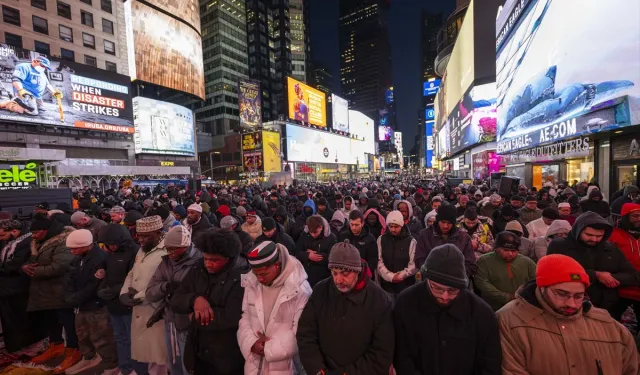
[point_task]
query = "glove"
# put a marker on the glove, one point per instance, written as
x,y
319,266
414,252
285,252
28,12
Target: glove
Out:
x,y
127,300
23,93
57,94
172,287
107,294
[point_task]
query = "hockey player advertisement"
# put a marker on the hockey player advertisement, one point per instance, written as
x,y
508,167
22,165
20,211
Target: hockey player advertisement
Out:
x,y
38,90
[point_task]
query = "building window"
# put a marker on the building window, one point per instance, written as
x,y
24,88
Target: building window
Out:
x,y
67,54
40,25
107,26
88,2
109,47
87,18
13,40
42,48
106,6
64,10
40,4
66,34
90,60
88,40
110,66
11,15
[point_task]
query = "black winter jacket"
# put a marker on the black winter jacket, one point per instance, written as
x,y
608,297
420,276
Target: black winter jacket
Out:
x,y
364,242
316,271
605,257
215,344
280,237
84,279
395,254
245,239
200,226
12,280
461,339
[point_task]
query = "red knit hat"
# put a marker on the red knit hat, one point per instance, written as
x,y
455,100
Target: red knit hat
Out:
x,y
628,208
555,269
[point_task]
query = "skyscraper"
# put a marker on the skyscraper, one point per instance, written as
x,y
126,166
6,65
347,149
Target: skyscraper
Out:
x,y
321,78
431,23
365,54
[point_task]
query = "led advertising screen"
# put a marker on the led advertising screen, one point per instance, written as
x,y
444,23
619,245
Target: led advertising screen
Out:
x,y
340,112
163,128
430,146
474,119
363,127
388,96
306,104
385,133
430,88
271,151
429,113
67,94
249,103
163,50
313,146
555,81
186,10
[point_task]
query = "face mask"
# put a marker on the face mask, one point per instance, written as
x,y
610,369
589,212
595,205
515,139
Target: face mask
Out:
x,y
40,69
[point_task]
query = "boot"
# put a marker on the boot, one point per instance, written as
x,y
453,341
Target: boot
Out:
x,y
84,364
53,351
71,357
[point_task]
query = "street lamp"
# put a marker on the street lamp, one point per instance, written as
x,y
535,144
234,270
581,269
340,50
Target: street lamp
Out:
x,y
211,159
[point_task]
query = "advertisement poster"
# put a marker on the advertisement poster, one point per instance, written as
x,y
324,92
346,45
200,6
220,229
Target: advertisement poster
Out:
x,y
363,127
249,103
313,146
429,146
163,128
163,50
340,112
306,104
474,118
271,151
252,141
555,81
430,88
66,94
385,133
388,96
252,161
186,10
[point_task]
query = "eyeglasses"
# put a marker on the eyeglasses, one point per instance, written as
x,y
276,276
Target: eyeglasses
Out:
x,y
565,296
439,290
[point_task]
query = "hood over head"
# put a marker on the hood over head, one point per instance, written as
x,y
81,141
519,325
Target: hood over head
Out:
x,y
339,216
381,219
558,226
590,219
396,203
281,211
630,189
309,203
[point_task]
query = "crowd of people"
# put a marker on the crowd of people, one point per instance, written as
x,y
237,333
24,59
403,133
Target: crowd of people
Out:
x,y
399,277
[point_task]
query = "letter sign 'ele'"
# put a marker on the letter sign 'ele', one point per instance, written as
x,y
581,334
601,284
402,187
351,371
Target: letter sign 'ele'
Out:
x,y
16,175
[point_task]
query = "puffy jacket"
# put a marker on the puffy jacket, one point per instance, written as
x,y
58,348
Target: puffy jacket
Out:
x,y
604,257
498,280
364,242
630,247
14,255
481,233
431,237
287,221
280,237
301,220
530,331
254,230
85,277
322,245
49,282
245,239
282,325
396,255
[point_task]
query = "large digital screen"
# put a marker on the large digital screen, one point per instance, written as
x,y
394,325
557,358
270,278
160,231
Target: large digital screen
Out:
x,y
385,133
90,98
306,104
249,103
430,88
474,119
340,111
429,113
388,96
556,81
429,146
163,128
363,127
271,151
186,10
163,50
313,146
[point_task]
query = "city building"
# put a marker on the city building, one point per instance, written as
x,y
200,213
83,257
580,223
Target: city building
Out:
x,y
431,24
321,78
365,54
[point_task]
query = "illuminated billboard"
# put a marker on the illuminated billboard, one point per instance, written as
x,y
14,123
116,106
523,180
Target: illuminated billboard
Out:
x,y
313,146
163,50
430,88
473,120
363,127
67,94
306,104
430,144
385,133
249,103
271,151
163,128
554,81
186,10
340,111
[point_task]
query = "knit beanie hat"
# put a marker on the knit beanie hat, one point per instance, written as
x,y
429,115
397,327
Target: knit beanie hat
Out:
x,y
224,210
345,256
40,223
445,265
507,240
514,225
241,211
195,207
117,210
507,210
79,238
446,213
180,210
227,222
268,223
131,217
163,212
177,236
550,213
556,268
263,255
531,198
395,217
470,214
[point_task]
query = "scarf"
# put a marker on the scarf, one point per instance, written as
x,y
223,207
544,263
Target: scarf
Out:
x,y
10,248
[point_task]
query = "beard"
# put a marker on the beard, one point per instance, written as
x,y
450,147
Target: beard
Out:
x,y
148,247
566,311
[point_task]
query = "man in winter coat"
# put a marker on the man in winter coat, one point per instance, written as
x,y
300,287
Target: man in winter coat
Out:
x,y
272,231
348,205
494,204
363,202
253,225
441,326
551,310
629,195
564,213
284,219
557,229
358,235
337,223
148,344
479,230
396,253
48,268
275,292
595,203
526,245
174,267
308,209
121,254
93,326
313,247
374,220
627,238
196,222
413,224
230,222
503,271
538,228
324,210
530,211
605,264
212,292
84,221
444,231
346,327
18,329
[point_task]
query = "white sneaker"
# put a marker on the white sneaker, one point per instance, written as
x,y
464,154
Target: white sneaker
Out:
x,y
83,365
113,371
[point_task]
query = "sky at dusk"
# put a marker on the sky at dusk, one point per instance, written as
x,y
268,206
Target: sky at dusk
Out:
x,y
404,36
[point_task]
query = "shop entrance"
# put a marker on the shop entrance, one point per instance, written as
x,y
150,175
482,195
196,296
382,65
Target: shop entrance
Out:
x,y
626,175
542,173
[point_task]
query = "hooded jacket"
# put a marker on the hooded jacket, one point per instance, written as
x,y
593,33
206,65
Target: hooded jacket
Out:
x,y
344,210
316,271
328,212
413,224
287,223
280,237
338,216
282,324
379,227
301,220
396,255
616,206
254,230
498,280
84,280
600,207
431,237
362,207
536,340
629,246
541,244
604,257
14,255
364,242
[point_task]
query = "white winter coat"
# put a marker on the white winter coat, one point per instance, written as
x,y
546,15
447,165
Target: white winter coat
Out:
x,y
283,322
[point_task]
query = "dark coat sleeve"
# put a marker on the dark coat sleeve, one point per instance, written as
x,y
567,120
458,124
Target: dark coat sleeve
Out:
x,y
489,356
469,256
308,340
84,290
227,315
402,360
20,256
371,253
182,300
421,249
301,249
287,241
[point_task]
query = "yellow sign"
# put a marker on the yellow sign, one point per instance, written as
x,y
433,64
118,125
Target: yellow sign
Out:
x,y
251,141
271,152
15,175
306,104
167,164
